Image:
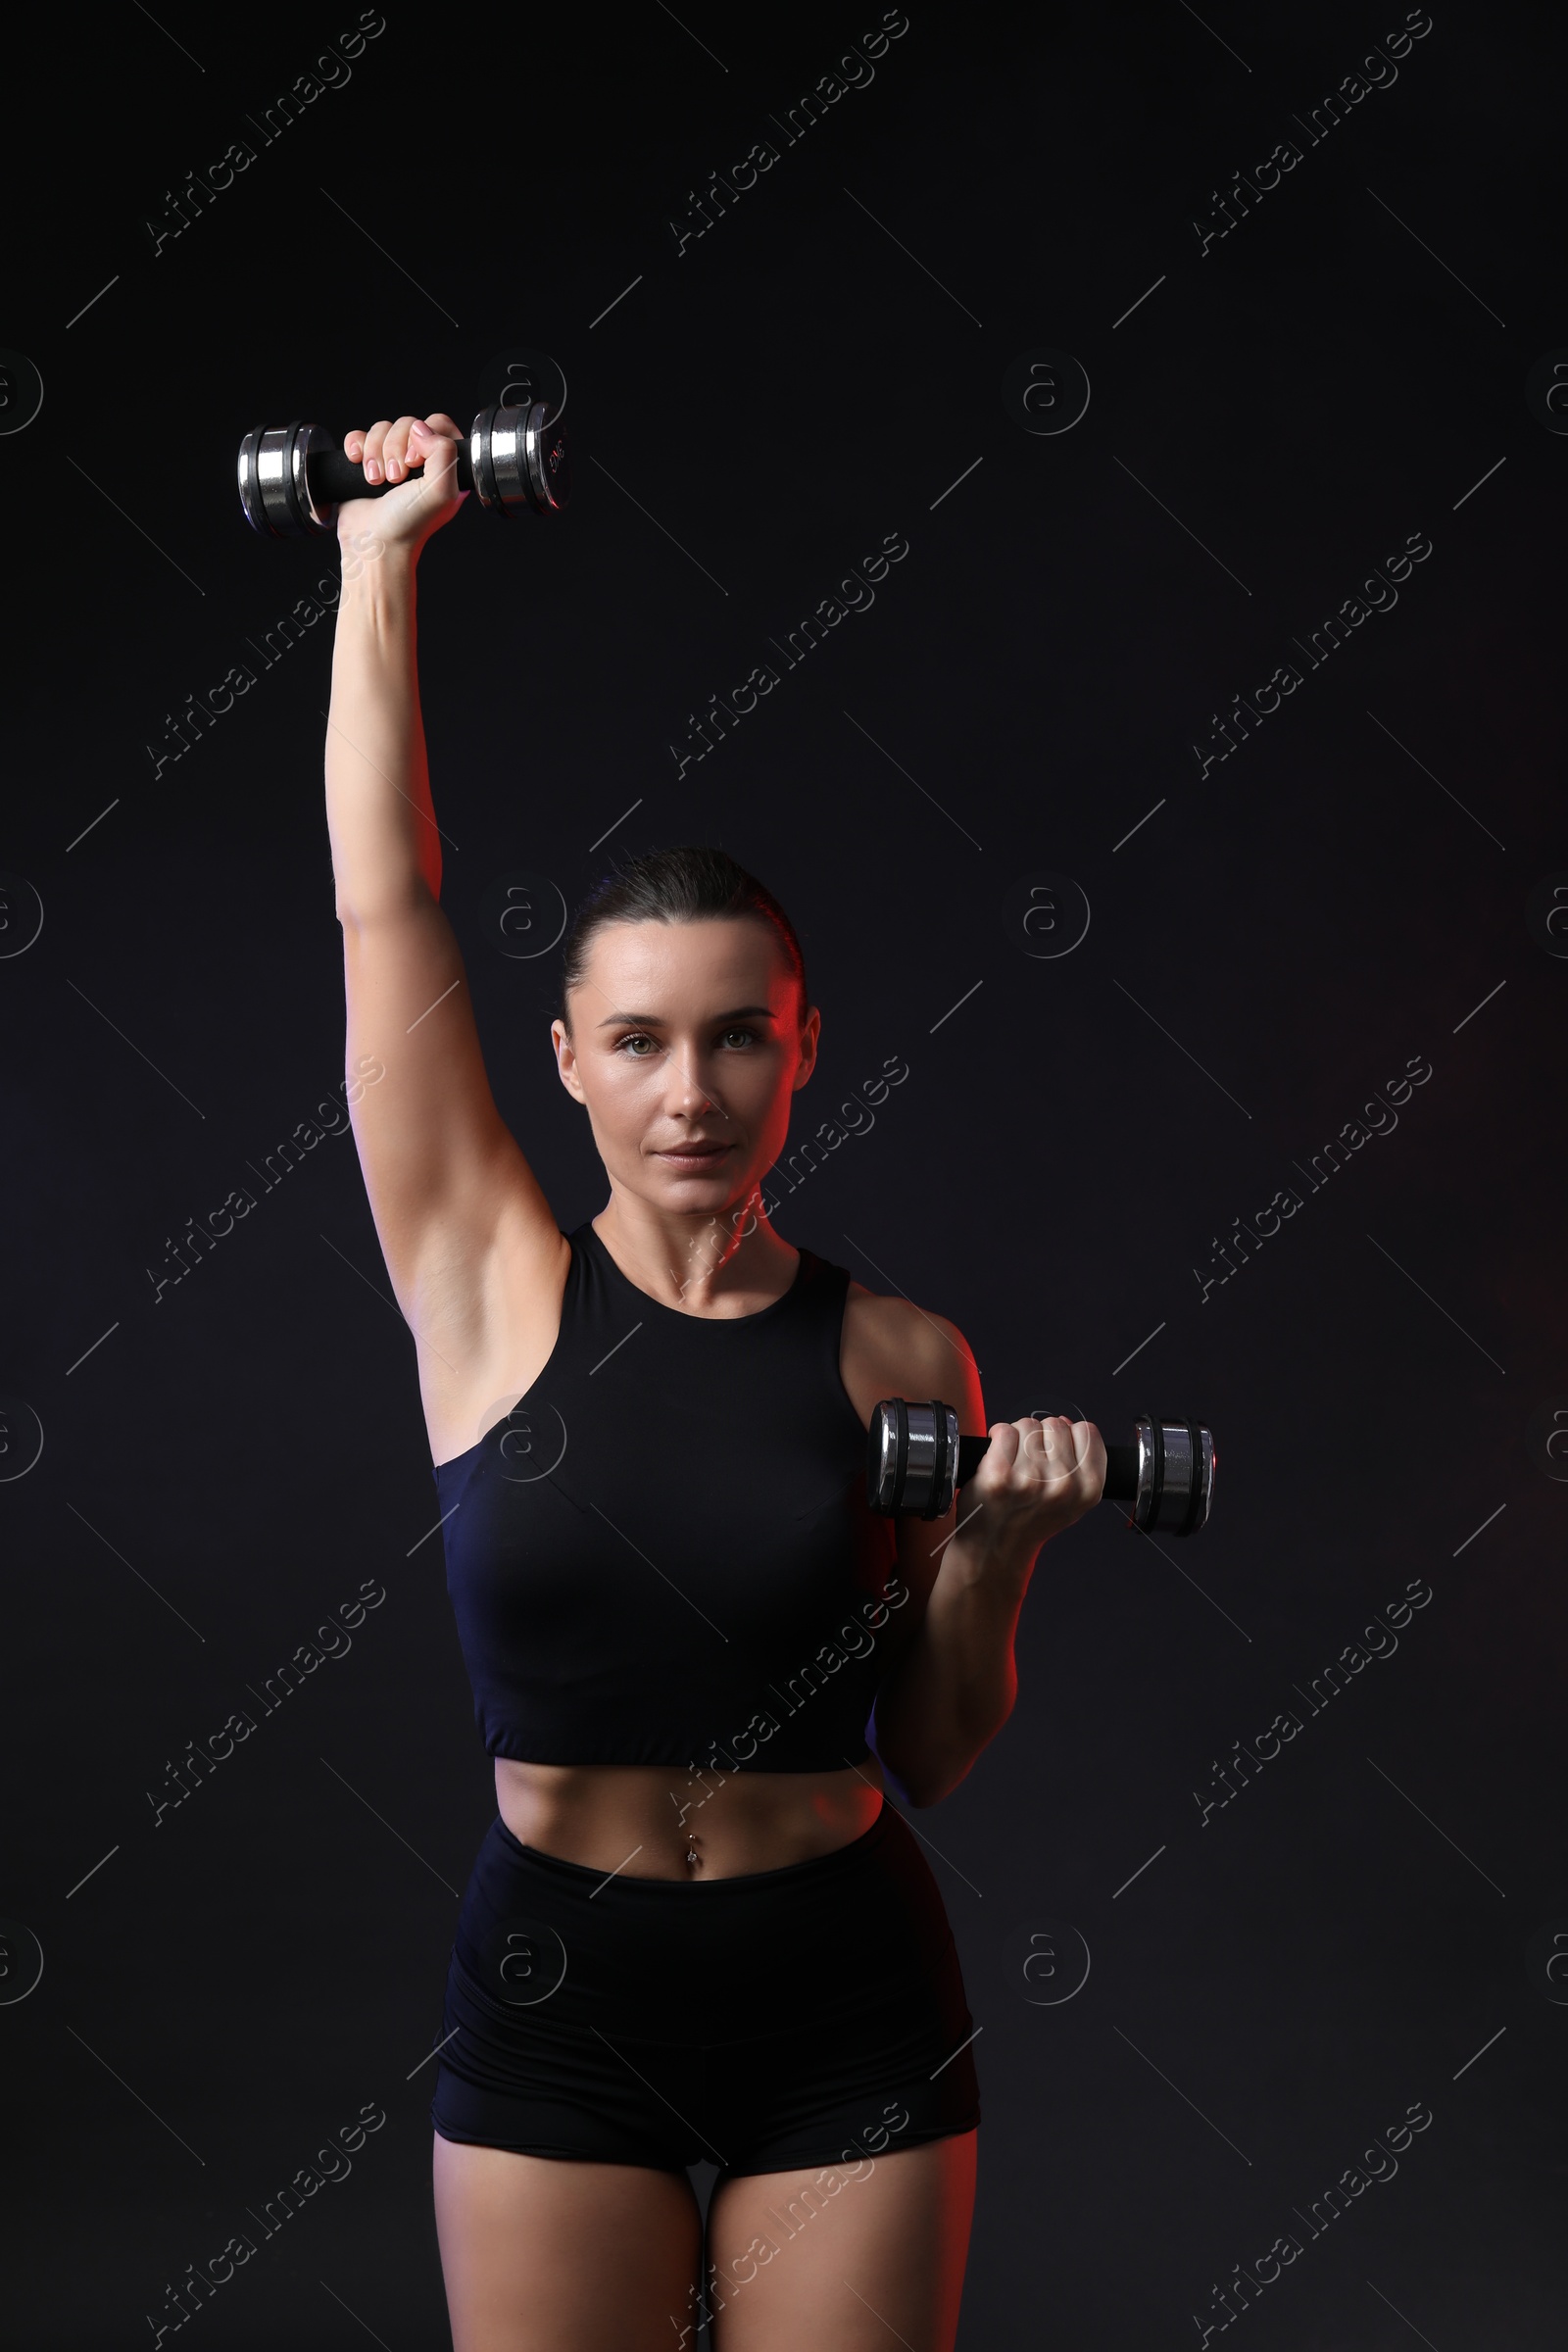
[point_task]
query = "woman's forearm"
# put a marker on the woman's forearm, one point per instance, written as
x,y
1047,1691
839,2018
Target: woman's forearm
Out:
x,y
378,807
950,1691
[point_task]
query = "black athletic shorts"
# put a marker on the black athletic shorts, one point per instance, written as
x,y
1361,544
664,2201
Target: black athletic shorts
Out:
x,y
787,2018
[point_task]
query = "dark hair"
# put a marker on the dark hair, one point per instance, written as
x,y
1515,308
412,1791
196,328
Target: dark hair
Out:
x,y
685,885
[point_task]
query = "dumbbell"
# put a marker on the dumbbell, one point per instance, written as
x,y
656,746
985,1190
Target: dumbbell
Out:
x,y
294,477
917,1461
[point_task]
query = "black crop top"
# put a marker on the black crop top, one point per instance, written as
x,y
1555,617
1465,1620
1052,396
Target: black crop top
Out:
x,y
664,1553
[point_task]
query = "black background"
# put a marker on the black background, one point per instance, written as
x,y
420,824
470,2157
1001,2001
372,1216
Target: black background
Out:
x,y
1071,1145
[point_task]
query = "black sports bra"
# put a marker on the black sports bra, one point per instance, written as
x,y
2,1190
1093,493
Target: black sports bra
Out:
x,y
664,1554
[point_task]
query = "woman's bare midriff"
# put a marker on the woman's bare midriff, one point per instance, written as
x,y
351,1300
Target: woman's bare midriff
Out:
x,y
653,1820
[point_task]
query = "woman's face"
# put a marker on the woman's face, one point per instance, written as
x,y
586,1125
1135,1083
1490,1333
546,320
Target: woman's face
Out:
x,y
686,1046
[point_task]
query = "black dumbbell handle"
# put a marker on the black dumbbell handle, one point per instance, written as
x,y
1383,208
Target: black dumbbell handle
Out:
x,y
1121,1467
335,478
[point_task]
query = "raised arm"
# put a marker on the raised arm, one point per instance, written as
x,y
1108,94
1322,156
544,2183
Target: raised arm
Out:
x,y
470,1242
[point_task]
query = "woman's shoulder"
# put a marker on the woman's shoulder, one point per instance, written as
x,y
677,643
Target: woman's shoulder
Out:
x,y
904,1349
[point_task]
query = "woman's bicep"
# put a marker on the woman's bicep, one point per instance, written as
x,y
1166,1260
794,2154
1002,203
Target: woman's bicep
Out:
x,y
436,1154
938,1366
895,1349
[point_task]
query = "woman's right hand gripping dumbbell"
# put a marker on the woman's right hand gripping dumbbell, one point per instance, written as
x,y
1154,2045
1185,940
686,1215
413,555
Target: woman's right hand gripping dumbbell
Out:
x,y
419,455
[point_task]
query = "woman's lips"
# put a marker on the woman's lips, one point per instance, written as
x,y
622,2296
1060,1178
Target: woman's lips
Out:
x,y
697,1156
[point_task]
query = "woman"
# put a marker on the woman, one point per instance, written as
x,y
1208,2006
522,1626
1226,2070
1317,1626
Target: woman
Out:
x,y
694,1931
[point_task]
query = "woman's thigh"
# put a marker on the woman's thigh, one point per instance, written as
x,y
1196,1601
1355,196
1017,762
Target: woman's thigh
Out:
x,y
844,2259
549,2254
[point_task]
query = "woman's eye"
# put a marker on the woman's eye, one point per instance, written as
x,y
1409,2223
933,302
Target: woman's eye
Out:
x,y
744,1037
629,1046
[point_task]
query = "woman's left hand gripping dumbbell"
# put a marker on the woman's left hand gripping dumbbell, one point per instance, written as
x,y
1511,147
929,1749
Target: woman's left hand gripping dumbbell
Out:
x,y
1034,1478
